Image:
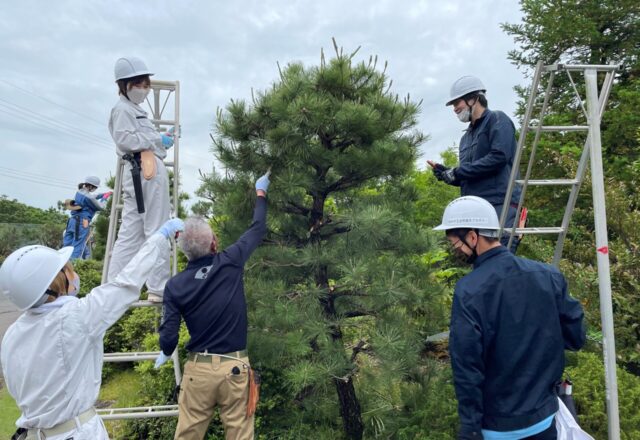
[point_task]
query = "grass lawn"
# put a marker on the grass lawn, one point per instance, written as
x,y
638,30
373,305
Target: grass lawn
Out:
x,y
9,413
120,391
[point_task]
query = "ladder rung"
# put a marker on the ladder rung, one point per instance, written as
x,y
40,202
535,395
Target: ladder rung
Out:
x,y
120,206
530,231
139,412
163,122
134,356
583,67
550,182
168,163
560,127
145,303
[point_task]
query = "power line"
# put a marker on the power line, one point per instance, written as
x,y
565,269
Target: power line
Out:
x,y
25,179
70,133
52,102
37,175
30,113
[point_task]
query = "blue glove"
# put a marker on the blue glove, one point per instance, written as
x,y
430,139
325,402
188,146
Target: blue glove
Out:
x,y
167,141
171,227
161,359
263,182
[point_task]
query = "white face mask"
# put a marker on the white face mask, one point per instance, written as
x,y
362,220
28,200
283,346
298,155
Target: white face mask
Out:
x,y
74,287
464,115
137,95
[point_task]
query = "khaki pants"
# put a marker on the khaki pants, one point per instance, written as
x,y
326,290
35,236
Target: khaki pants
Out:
x,y
206,385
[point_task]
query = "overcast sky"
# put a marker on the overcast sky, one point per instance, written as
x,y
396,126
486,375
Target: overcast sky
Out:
x,y
57,87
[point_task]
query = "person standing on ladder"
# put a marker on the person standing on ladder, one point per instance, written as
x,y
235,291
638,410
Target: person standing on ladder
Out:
x,y
486,152
52,355
146,196
511,320
209,295
83,207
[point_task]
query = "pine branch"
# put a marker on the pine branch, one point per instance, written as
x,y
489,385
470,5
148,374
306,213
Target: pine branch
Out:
x,y
295,208
358,313
340,293
360,347
335,231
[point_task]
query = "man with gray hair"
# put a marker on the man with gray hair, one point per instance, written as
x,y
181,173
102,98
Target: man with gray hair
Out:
x,y
209,295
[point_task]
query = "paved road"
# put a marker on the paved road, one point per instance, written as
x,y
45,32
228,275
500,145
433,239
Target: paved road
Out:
x,y
8,314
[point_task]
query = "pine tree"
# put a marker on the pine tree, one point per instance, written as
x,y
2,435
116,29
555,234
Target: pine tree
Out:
x,y
339,300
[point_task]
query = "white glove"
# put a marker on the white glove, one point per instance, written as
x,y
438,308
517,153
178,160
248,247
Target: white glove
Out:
x,y
171,227
161,359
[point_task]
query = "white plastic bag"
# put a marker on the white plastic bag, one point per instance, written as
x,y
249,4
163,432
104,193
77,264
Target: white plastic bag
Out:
x,y
567,427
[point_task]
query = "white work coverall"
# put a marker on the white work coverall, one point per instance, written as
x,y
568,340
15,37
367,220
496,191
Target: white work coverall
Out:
x,y
52,355
133,132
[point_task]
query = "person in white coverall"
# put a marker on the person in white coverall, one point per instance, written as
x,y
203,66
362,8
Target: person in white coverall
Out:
x,y
134,133
52,355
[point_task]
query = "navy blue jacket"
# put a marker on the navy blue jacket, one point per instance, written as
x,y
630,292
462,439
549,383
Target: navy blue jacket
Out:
x,y
486,155
511,321
209,295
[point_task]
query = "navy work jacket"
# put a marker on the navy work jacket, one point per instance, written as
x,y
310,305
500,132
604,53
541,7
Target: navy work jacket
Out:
x,y
511,321
486,153
209,295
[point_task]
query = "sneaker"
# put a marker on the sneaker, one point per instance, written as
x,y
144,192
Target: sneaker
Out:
x,y
152,297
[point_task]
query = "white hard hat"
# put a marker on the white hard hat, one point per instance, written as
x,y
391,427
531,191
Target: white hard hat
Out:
x,y
92,180
129,67
464,85
470,212
27,273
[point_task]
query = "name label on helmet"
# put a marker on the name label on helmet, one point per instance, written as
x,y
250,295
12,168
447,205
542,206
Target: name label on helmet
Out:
x,y
467,220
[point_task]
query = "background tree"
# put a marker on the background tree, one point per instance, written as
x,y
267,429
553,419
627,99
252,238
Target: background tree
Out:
x,y
22,225
590,32
339,300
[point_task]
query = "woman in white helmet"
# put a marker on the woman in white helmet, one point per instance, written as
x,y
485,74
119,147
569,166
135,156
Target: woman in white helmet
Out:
x,y
52,355
138,140
83,207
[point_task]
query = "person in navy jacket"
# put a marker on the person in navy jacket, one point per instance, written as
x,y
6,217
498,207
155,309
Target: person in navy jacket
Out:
x,y
209,296
486,152
511,320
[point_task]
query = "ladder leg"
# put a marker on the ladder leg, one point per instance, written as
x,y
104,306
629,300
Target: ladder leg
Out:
x,y
532,156
114,216
602,253
521,142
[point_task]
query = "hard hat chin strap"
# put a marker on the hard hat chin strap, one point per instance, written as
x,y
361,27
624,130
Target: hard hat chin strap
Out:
x,y
469,258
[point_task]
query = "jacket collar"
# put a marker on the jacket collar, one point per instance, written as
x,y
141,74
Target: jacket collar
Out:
x,y
478,122
488,255
199,262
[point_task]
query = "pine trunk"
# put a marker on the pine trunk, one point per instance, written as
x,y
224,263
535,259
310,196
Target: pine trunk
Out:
x,y
349,409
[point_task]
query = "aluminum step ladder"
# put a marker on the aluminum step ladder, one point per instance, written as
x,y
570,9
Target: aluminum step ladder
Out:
x,y
596,101
162,93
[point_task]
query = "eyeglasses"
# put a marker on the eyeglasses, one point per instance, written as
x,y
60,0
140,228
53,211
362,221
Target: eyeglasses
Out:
x,y
455,246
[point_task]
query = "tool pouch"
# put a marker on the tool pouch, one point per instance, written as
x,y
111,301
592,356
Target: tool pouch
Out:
x,y
148,163
254,392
